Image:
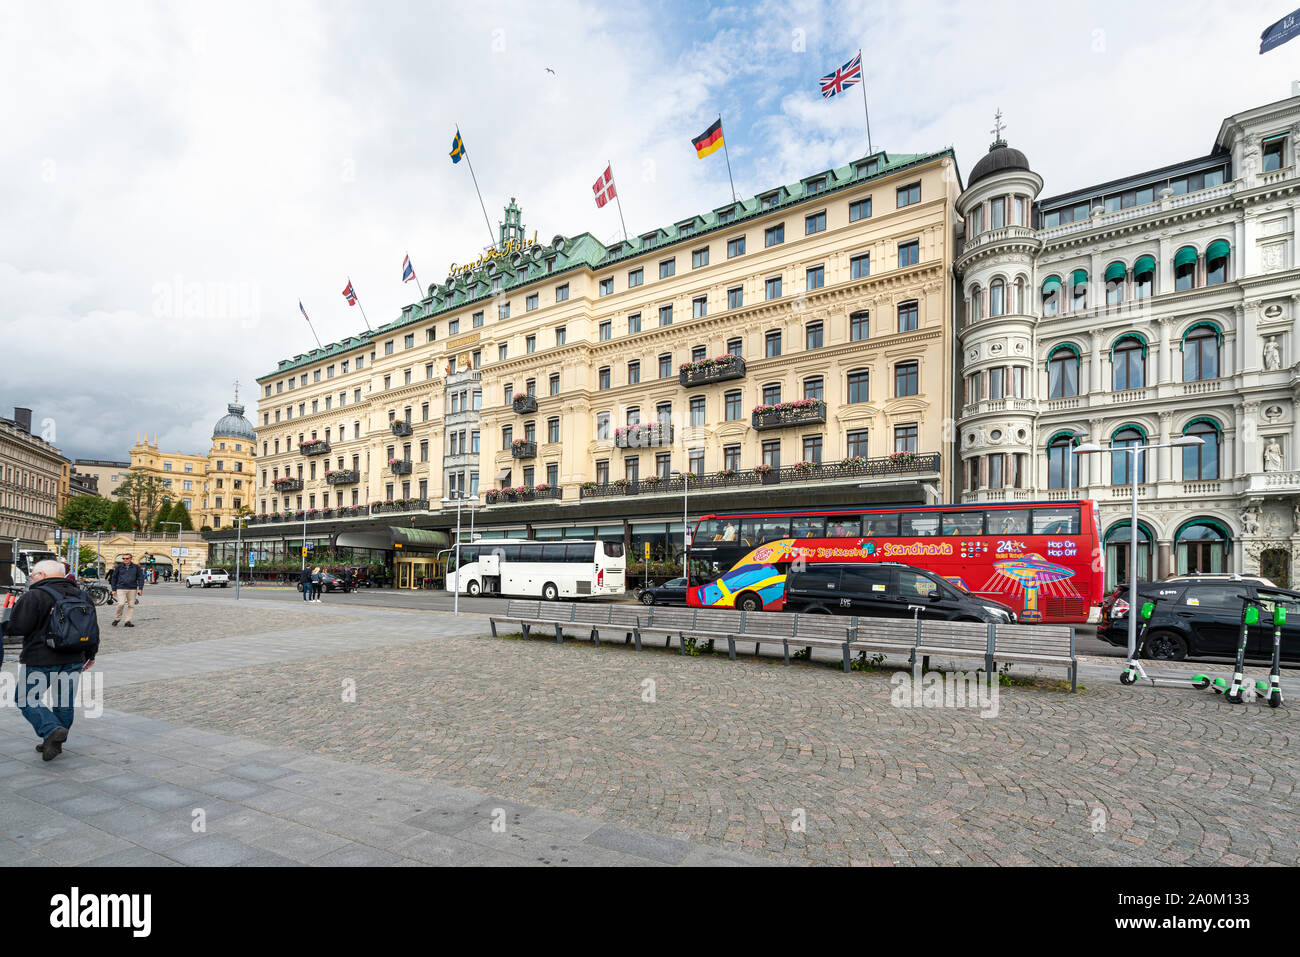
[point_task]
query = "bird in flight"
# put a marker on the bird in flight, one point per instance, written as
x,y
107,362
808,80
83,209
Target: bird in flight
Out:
x,y
550,71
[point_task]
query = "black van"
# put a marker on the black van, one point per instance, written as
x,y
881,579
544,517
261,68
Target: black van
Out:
x,y
886,590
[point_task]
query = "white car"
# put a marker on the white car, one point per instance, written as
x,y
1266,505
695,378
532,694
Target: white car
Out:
x,y
207,577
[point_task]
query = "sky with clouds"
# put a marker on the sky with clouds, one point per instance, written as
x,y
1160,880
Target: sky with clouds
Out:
x,y
175,177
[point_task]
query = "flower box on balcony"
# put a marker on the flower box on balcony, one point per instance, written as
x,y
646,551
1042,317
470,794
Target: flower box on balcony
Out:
x,y
525,403
491,496
705,371
647,436
400,427
343,477
523,449
800,412
314,447
400,466
767,475
288,484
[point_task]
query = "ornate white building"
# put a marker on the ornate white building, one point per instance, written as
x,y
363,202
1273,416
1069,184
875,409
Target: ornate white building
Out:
x,y
1136,311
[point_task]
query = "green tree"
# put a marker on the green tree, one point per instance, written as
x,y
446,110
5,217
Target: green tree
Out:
x,y
142,494
181,514
85,556
85,511
164,515
119,517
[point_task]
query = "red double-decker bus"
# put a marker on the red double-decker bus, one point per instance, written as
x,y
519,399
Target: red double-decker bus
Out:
x,y
1044,559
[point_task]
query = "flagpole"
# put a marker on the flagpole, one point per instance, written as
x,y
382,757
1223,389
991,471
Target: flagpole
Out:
x,y
359,306
617,200
309,325
487,222
727,154
863,72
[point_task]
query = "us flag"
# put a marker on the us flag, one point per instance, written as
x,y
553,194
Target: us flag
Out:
x,y
843,78
604,188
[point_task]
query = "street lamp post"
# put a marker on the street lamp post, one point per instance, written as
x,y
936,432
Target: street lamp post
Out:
x,y
460,497
239,533
1069,462
178,546
686,496
1090,447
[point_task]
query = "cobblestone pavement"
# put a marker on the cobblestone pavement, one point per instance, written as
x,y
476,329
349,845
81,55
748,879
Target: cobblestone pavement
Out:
x,y
729,755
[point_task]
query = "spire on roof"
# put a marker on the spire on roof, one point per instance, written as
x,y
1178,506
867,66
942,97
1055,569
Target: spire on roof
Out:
x,y
998,127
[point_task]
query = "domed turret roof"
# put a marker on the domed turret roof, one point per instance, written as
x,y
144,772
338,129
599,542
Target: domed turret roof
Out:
x,y
999,159
233,425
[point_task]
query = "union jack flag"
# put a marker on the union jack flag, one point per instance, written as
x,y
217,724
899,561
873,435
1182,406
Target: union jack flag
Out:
x,y
843,78
350,294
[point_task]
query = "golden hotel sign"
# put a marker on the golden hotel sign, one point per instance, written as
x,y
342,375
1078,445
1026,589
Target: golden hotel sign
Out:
x,y
500,251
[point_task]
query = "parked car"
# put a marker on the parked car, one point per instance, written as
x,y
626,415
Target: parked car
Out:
x,y
886,590
671,592
333,582
1198,617
207,577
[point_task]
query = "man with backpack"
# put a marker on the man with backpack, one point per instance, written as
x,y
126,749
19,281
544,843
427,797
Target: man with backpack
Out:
x,y
126,579
60,640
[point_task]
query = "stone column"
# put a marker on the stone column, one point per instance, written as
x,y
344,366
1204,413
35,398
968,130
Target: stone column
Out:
x,y
1094,375
1164,471
1236,450
1165,372
1164,560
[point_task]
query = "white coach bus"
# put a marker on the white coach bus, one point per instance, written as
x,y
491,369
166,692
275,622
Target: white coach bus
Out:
x,y
549,570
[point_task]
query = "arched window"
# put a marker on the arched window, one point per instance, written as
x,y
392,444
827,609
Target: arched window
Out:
x,y
1020,296
1202,546
1128,363
1051,295
1060,458
1185,269
1201,353
1201,461
1063,373
1115,274
1079,290
1121,463
976,303
1216,262
1144,277
997,298
1119,557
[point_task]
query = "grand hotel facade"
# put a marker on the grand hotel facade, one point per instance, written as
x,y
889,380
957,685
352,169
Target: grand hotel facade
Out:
x,y
793,347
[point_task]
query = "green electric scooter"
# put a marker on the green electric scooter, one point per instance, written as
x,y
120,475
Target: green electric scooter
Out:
x,y
1234,691
1272,688
1134,671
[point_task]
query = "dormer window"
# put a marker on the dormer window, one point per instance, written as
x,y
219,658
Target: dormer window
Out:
x,y
816,185
770,200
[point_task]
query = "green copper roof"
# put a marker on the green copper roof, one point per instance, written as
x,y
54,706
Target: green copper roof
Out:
x,y
585,251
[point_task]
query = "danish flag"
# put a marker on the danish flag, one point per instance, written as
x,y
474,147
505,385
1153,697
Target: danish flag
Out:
x,y
604,188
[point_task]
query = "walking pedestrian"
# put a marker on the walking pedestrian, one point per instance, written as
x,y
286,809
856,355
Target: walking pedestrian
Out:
x,y
317,583
304,583
54,609
127,581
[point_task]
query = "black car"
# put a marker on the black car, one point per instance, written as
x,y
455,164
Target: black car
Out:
x,y
671,592
886,590
1200,618
331,582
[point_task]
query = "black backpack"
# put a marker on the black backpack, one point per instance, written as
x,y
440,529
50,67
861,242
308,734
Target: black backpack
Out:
x,y
72,624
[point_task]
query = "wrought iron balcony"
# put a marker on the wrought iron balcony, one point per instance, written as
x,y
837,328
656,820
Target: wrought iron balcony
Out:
x,y
802,412
400,466
523,449
707,371
497,496
525,403
288,485
315,447
343,477
400,505
400,427
648,436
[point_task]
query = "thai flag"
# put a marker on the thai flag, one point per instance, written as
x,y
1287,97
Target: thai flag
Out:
x,y
408,271
350,294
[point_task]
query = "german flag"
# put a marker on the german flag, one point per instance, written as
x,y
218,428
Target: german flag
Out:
x,y
710,141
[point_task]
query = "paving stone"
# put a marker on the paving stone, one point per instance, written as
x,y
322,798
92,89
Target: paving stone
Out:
x,y
212,850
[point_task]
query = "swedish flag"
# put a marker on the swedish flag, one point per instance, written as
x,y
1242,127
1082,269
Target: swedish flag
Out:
x,y
457,148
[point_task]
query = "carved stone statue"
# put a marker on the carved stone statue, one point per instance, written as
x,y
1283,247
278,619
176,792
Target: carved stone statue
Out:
x,y
1295,519
1250,520
1273,456
1272,354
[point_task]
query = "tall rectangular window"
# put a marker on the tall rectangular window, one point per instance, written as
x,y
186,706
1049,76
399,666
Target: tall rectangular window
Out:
x,y
857,444
700,307
633,373
813,335
606,286
665,315
735,297
816,277
735,247
906,379
667,268
772,343
909,254
812,449
772,288
860,266
562,292
815,223
697,410
700,257
908,195
666,365
604,378
860,210
774,235
905,438
772,453
530,302
635,277
731,457
731,406
606,330
908,316
634,323
859,326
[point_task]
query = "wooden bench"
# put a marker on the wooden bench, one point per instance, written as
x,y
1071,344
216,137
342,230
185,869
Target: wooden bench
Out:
x,y
760,627
1038,645
585,616
893,636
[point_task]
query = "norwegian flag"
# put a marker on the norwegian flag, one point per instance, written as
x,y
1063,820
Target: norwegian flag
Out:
x,y
350,294
843,78
604,188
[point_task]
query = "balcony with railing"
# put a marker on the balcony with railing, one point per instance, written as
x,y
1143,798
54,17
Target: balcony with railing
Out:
x,y
507,496
343,477
524,403
400,427
651,435
315,447
523,449
708,371
400,466
910,464
787,414
400,505
287,485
